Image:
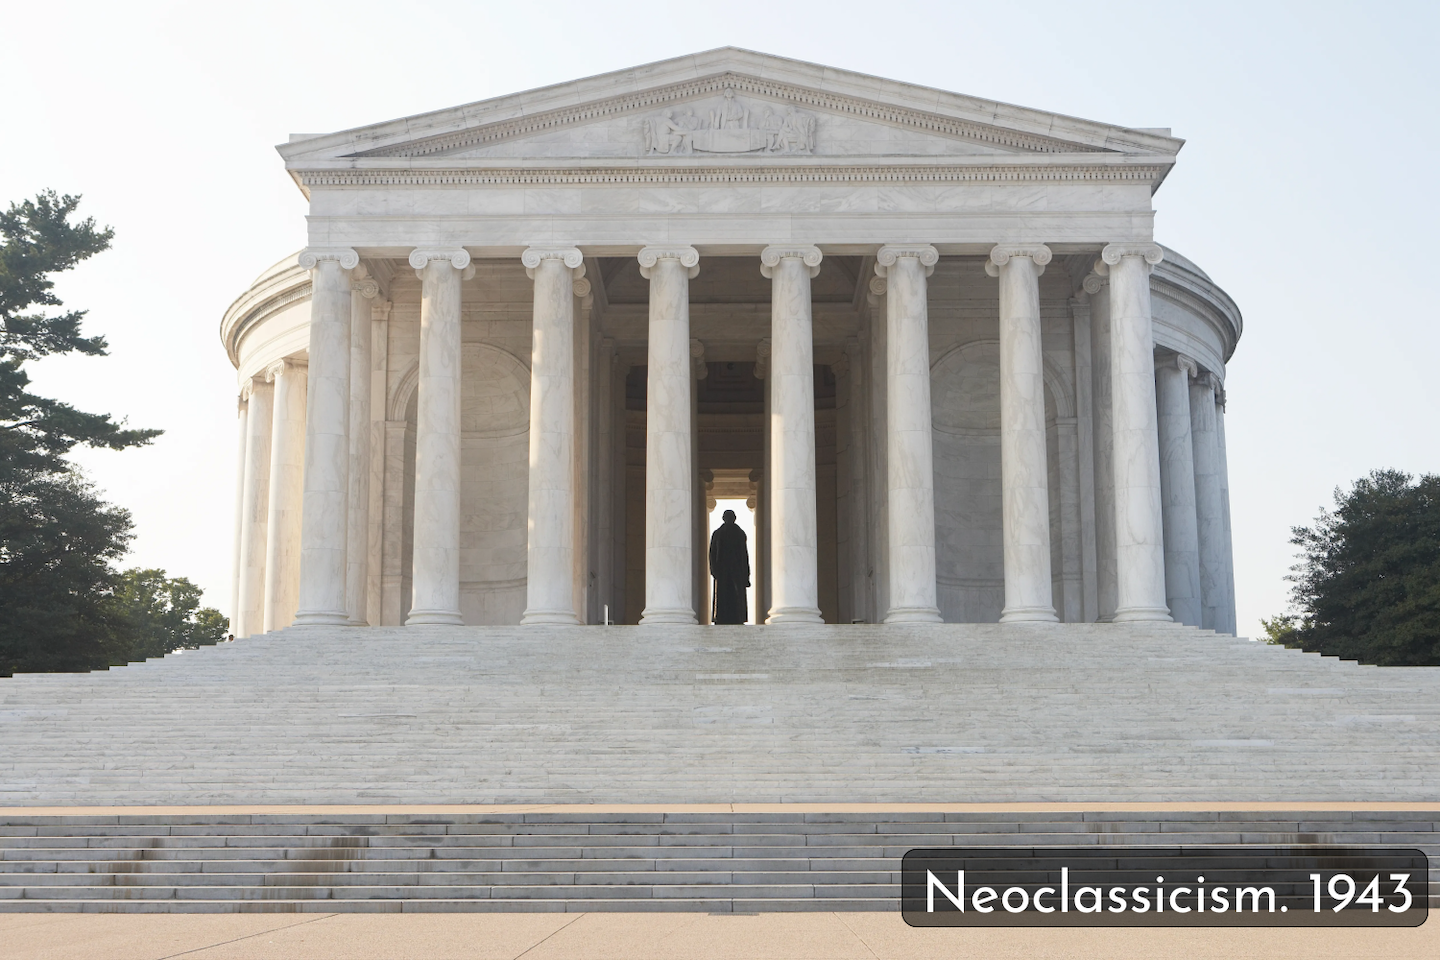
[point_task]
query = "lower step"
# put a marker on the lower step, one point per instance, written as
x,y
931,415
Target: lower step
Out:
x,y
389,861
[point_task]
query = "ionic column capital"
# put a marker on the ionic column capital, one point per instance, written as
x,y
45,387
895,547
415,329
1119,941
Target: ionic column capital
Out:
x,y
762,358
888,255
689,258
459,258
1003,253
1178,361
250,385
878,288
697,359
771,256
283,366
1114,252
310,257
1095,282
362,283
570,256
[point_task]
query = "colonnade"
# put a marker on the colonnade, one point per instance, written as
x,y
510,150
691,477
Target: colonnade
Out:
x,y
1160,503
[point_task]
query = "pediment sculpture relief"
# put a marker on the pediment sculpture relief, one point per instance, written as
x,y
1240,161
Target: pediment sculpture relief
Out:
x,y
729,125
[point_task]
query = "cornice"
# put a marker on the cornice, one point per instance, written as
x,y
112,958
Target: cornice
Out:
x,y
621,175
640,100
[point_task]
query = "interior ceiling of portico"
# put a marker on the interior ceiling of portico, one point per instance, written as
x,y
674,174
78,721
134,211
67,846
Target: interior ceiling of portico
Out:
x,y
730,280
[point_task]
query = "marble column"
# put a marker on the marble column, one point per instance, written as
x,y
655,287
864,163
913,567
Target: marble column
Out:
x,y
1025,496
761,555
859,487
669,482
877,571
1102,412
910,453
1177,487
378,378
1209,519
550,555
1139,537
700,512
255,507
325,521
284,535
436,561
235,570
363,291
1225,620
794,584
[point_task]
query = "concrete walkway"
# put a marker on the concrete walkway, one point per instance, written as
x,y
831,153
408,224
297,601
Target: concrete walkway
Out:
x,y
620,936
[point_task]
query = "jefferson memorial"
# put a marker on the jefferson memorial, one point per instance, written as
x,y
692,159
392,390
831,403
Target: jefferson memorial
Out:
x,y
928,339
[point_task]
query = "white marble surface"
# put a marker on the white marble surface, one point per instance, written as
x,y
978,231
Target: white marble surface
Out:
x,y
669,483
1139,537
1177,486
1209,518
909,452
794,590
325,524
283,525
357,533
763,153
549,586
436,576
249,615
1025,508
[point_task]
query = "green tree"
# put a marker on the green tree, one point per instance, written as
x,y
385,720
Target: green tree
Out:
x,y
62,605
1367,586
157,615
37,240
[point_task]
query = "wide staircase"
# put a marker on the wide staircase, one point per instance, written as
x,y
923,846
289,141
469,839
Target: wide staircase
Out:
x,y
572,761
578,861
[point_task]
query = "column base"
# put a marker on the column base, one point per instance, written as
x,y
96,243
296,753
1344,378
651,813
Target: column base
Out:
x,y
357,623
450,618
783,615
1029,615
652,616
913,615
1142,615
320,618
564,618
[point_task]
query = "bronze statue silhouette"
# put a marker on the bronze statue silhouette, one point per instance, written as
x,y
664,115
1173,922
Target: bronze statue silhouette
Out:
x,y
730,566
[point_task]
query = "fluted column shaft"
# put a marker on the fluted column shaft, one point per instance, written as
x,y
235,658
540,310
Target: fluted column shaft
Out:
x,y
325,521
1225,621
284,527
1102,401
1177,485
243,418
1025,497
1209,519
1139,538
254,508
910,455
669,483
436,559
794,591
357,537
550,554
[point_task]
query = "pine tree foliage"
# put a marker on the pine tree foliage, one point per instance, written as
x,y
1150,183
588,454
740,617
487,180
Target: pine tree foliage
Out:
x,y
63,606
1367,586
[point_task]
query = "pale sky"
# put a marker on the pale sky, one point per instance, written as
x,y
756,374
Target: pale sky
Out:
x,y
1304,190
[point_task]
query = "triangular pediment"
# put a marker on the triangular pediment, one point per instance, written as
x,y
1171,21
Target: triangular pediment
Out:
x,y
725,103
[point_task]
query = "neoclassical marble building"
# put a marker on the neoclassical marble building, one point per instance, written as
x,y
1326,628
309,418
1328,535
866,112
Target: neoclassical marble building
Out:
x,y
929,337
